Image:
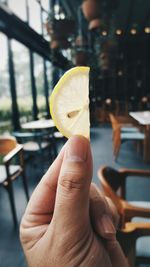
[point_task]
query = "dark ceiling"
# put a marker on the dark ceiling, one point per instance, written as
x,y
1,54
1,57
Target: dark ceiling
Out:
x,y
129,14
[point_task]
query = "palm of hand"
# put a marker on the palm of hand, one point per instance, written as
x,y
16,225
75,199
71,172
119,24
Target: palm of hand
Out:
x,y
85,249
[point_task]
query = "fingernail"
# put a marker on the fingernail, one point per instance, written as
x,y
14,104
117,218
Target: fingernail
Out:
x,y
77,149
107,225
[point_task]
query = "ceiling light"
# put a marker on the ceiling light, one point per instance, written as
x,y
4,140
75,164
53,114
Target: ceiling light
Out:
x,y
56,8
118,32
57,16
144,99
62,16
120,73
147,29
104,33
108,101
133,31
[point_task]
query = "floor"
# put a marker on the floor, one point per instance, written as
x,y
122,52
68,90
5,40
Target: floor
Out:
x,y
11,254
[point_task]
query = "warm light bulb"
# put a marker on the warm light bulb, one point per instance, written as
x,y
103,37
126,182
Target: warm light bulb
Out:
x,y
56,8
57,16
104,33
133,31
62,16
108,101
118,32
120,73
147,29
144,99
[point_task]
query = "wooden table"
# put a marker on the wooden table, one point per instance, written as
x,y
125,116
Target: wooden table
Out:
x,y
143,118
45,126
39,125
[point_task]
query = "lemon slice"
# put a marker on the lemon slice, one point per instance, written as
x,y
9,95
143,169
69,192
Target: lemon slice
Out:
x,y
69,103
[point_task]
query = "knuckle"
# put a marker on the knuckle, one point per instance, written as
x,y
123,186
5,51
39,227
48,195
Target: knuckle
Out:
x,y
23,231
72,181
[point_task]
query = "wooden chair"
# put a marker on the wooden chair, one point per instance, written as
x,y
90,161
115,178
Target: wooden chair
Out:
x,y
121,108
123,130
9,171
126,122
114,185
34,143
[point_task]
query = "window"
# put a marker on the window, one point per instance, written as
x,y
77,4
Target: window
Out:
x,y
5,97
39,77
49,68
23,80
19,8
45,4
35,16
45,20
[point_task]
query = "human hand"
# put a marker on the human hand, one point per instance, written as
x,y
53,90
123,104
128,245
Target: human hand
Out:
x,y
67,222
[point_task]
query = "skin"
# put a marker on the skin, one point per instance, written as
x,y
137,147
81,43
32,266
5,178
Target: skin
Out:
x,y
68,222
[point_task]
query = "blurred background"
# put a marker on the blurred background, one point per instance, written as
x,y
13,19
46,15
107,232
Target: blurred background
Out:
x,y
39,41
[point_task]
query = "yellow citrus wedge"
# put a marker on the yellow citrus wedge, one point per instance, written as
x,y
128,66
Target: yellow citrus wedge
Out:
x,y
69,103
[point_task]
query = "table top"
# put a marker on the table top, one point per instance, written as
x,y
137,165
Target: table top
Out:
x,y
39,124
143,117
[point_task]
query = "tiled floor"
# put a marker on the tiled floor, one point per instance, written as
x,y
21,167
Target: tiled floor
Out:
x,y
11,254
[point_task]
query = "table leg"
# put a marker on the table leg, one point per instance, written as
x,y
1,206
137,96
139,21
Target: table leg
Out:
x,y
147,144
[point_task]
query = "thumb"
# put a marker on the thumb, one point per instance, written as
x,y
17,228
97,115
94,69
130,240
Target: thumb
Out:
x,y
72,196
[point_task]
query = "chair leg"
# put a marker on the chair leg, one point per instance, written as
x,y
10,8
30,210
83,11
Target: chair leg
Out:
x,y
116,149
128,244
139,147
25,185
117,152
55,151
12,203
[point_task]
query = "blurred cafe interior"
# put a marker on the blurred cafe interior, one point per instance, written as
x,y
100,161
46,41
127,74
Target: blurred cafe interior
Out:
x,y
39,41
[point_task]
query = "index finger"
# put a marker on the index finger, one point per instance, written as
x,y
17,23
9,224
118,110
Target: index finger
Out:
x,y
41,205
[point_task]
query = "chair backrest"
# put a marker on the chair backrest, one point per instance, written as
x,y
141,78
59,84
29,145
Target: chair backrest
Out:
x,y
114,122
116,127
112,182
128,232
7,144
32,141
122,121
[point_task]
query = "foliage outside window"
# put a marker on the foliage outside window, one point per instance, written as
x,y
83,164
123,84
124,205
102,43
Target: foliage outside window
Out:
x,y
23,80
39,78
5,97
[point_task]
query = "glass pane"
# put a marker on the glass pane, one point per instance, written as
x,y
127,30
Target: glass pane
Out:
x,y
23,81
19,8
45,19
5,97
49,75
3,1
39,77
35,16
45,4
